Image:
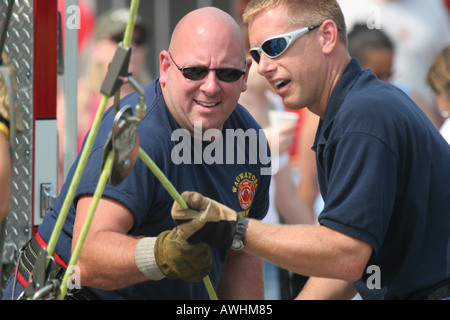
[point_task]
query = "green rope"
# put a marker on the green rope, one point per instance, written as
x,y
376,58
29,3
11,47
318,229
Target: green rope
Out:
x,y
87,222
76,178
89,142
128,35
177,197
162,178
91,213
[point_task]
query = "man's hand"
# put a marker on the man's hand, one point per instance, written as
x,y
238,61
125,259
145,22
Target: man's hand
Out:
x,y
169,256
208,221
178,259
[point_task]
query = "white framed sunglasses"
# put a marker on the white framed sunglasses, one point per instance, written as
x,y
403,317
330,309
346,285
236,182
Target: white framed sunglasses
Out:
x,y
276,46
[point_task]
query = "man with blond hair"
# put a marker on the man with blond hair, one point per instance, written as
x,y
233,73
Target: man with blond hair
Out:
x,y
383,169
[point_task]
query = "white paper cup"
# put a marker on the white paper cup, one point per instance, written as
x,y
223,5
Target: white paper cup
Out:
x,y
279,118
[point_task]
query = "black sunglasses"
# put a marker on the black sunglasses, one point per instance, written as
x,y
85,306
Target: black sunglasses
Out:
x,y
199,72
276,46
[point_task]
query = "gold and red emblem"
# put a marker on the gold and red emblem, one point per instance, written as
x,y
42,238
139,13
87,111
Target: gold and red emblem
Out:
x,y
245,185
246,193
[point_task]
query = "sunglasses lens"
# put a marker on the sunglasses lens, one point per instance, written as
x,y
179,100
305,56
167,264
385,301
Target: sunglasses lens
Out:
x,y
195,73
255,55
228,74
225,74
274,47
139,41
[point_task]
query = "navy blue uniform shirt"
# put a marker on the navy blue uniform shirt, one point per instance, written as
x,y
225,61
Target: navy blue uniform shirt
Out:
x,y
384,174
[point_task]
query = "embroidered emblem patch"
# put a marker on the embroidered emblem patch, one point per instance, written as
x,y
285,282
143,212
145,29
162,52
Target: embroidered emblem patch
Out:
x,y
246,193
245,186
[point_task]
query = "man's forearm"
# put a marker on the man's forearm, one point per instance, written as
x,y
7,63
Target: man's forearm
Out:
x,y
107,262
327,289
309,250
242,278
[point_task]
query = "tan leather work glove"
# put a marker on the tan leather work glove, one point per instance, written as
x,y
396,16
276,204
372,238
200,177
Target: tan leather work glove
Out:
x,y
178,259
209,221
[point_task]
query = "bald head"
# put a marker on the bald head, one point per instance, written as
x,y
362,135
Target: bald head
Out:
x,y
205,26
205,39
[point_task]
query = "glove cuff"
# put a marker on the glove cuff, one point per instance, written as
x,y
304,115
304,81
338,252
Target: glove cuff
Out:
x,y
144,256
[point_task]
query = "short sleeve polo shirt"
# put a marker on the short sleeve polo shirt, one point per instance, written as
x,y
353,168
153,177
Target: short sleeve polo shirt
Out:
x,y
384,173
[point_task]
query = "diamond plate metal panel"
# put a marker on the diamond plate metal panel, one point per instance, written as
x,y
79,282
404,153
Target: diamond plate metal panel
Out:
x,y
19,47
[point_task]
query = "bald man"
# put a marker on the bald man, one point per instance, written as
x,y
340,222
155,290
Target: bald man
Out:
x,y
132,251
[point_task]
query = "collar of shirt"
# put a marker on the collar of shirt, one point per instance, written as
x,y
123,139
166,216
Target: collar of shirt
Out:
x,y
345,83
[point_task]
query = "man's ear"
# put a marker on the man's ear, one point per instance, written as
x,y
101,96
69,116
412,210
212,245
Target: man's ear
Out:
x,y
330,36
164,64
247,72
